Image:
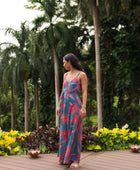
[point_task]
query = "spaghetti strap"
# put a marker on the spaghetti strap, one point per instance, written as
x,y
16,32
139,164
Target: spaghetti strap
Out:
x,y
65,75
78,74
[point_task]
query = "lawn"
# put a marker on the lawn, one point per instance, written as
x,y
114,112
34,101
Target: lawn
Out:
x,y
91,120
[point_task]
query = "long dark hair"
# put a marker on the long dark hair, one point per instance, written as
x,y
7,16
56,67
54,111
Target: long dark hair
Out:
x,y
74,61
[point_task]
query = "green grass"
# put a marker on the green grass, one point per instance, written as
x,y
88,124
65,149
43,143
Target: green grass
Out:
x,y
91,120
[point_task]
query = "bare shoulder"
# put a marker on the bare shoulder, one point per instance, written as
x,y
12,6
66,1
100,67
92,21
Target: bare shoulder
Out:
x,y
65,74
83,75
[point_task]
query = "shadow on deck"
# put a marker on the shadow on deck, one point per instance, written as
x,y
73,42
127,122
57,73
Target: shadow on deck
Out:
x,y
109,160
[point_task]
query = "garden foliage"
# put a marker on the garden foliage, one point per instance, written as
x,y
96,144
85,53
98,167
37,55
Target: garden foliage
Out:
x,y
115,139
46,139
8,143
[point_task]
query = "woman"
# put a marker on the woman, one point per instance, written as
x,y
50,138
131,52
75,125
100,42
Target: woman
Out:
x,y
71,111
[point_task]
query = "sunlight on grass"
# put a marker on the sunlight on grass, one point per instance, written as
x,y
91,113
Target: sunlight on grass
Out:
x,y
90,120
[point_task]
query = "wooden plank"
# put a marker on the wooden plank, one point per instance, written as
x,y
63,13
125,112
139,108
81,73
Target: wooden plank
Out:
x,y
109,160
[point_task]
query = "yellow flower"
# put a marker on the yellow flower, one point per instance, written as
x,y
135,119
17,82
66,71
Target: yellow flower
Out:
x,y
96,134
125,138
138,137
5,154
0,132
7,133
16,149
132,134
1,152
116,130
24,134
27,133
22,139
104,130
9,140
97,147
91,147
13,132
9,147
1,142
124,131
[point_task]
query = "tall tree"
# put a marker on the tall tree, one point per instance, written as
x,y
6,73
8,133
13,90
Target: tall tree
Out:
x,y
7,76
93,8
22,69
36,49
8,80
52,31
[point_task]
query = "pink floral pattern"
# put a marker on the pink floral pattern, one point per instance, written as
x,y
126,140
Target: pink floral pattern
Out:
x,y
71,123
73,108
79,137
64,134
65,118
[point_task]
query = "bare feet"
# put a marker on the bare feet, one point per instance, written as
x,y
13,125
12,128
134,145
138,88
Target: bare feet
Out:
x,y
74,165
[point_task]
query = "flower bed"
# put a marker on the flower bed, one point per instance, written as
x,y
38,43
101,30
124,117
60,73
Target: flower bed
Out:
x,y
46,140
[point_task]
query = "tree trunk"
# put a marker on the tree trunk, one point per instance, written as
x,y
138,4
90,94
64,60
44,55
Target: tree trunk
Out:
x,y
26,105
96,20
56,83
36,104
12,107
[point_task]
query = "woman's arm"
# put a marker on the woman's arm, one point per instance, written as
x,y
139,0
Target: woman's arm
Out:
x,y
58,108
60,100
84,84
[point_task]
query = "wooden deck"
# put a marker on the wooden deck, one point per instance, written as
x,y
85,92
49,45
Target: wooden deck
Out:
x,y
109,160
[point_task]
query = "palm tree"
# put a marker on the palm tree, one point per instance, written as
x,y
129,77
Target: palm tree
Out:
x,y
7,77
35,50
93,6
52,33
22,69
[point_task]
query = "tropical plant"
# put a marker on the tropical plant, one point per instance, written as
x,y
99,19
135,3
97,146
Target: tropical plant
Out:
x,y
115,139
52,31
8,144
93,8
22,68
7,80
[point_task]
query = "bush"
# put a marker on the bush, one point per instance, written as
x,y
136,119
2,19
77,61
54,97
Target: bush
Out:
x,y
88,138
115,139
8,144
44,138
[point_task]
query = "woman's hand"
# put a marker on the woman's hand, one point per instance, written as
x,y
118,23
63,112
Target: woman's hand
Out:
x,y
58,111
83,112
